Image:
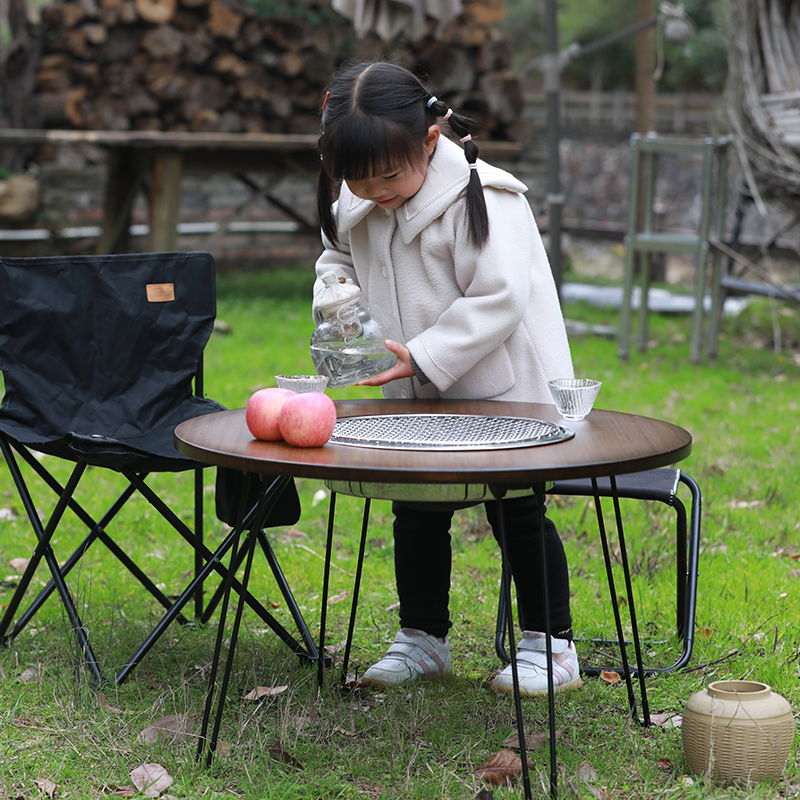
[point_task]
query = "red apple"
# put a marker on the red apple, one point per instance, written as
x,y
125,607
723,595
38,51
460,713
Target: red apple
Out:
x,y
307,419
263,412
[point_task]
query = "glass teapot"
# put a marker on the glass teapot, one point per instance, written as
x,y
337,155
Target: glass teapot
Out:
x,y
347,345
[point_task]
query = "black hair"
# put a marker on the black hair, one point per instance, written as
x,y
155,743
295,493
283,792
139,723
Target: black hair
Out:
x,y
375,117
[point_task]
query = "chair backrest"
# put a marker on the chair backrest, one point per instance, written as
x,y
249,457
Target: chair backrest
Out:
x,y
102,346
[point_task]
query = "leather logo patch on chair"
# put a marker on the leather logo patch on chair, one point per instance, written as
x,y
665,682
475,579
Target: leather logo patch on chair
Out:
x,y
160,292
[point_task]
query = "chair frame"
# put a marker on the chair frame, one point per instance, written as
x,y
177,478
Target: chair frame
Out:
x,y
687,540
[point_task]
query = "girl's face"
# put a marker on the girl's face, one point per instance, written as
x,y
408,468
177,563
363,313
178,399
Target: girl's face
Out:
x,y
391,189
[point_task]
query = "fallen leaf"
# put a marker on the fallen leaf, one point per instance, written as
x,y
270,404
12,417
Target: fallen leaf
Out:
x,y
337,598
175,729
274,604
47,786
666,719
30,674
151,779
265,691
278,753
588,775
687,781
664,763
532,740
500,768
19,564
119,791
103,703
223,749
609,676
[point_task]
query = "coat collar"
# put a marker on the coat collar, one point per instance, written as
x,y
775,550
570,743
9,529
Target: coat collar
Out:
x,y
446,178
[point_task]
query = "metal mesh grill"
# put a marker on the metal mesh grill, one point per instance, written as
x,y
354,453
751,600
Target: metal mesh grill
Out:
x,y
446,432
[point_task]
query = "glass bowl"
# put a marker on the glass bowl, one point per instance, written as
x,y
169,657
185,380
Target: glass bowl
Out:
x,y
574,397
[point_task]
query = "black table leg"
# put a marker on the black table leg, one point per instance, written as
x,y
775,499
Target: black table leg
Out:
x,y
356,589
499,493
626,671
637,645
266,503
323,619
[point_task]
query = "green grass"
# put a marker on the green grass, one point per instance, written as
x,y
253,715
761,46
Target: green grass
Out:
x,y
424,741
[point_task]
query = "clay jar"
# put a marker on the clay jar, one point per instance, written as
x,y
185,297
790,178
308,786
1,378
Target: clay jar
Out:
x,y
737,731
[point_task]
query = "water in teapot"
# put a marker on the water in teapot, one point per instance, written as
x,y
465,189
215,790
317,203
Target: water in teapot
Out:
x,y
347,345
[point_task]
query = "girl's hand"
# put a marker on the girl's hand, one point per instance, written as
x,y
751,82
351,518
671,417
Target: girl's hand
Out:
x,y
402,369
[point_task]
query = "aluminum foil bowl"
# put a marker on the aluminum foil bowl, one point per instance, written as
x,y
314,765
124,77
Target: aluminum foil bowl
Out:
x,y
302,383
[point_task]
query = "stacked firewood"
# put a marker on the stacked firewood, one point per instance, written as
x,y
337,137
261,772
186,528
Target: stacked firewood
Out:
x,y
221,66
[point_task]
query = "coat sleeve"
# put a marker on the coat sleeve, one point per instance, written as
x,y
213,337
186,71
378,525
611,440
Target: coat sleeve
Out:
x,y
495,283
335,259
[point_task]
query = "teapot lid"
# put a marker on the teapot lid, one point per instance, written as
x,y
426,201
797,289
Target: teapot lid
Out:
x,y
335,292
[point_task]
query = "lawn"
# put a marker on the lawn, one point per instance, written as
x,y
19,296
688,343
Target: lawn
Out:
x,y
60,738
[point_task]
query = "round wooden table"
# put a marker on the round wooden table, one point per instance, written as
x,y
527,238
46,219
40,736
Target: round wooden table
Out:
x,y
605,443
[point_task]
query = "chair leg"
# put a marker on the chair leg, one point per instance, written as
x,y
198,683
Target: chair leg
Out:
x,y
97,531
44,550
212,562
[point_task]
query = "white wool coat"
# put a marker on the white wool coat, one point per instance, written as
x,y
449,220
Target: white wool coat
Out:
x,y
480,323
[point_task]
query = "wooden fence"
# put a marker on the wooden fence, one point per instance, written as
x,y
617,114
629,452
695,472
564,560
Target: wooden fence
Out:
x,y
615,112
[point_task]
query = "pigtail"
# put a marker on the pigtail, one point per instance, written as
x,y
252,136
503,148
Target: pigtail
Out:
x,y
325,207
477,215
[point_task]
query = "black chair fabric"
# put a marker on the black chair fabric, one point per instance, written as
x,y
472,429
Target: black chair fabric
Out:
x,y
96,369
99,356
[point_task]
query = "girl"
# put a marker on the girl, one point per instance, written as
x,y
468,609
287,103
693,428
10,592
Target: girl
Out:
x,y
449,245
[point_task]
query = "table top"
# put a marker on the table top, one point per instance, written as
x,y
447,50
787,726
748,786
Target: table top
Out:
x,y
200,140
605,443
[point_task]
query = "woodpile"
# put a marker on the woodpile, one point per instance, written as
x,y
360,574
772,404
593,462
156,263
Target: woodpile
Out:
x,y
220,66
764,95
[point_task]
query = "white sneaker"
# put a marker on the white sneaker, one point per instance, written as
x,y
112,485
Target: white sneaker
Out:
x,y
532,666
413,654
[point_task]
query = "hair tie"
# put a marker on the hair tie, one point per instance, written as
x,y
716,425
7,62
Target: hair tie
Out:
x,y
467,138
434,99
449,112
472,166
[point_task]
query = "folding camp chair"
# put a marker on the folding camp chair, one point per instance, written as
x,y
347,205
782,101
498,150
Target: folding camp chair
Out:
x,y
658,485
99,355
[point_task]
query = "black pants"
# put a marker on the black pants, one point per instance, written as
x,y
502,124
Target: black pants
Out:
x,y
422,558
